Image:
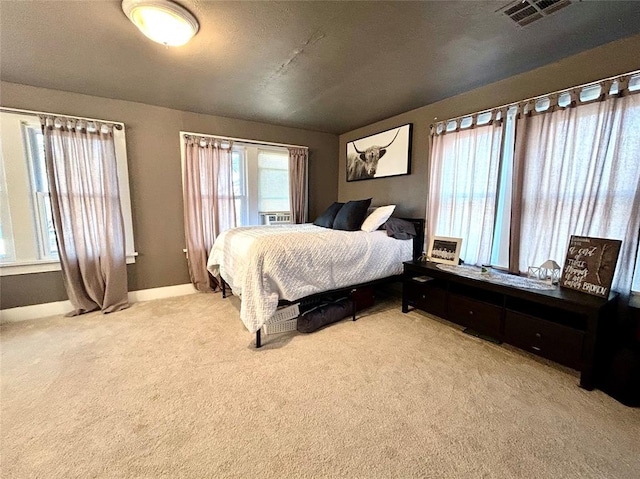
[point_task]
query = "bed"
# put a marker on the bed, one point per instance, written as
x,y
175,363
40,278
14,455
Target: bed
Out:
x,y
270,265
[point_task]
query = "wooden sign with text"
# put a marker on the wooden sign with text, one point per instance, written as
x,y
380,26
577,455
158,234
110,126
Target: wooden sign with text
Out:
x,y
590,265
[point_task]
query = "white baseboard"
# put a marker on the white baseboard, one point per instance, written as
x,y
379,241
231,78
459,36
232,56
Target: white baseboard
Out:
x,y
163,292
35,311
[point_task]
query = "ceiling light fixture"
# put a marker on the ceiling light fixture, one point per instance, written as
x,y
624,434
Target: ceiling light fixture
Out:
x,y
162,21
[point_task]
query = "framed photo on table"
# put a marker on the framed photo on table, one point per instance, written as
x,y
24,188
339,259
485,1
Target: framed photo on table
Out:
x,y
444,250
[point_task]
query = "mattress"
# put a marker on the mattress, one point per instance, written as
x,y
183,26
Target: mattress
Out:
x,y
265,264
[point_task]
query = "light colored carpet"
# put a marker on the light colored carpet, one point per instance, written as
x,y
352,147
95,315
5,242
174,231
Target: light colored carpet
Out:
x,y
174,388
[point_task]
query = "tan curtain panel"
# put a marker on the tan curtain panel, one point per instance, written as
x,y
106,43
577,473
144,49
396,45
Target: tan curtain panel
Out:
x,y
463,188
577,172
85,202
298,159
209,202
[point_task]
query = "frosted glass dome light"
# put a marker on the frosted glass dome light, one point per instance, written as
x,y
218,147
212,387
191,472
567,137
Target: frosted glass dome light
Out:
x,y
162,21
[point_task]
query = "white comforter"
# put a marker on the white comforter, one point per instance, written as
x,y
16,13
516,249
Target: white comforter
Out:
x,y
263,264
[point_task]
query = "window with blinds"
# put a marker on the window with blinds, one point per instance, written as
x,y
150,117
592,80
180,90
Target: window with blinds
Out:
x,y
273,181
261,184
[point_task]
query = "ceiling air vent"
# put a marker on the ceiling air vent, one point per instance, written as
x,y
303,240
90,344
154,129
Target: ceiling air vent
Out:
x,y
524,12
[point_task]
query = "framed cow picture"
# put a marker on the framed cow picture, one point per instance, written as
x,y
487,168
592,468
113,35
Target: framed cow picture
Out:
x,y
381,155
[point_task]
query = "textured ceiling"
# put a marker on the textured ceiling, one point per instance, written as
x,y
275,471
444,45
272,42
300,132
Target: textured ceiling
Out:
x,y
329,66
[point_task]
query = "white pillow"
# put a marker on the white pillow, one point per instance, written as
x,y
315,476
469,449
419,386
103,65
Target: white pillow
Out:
x,y
377,218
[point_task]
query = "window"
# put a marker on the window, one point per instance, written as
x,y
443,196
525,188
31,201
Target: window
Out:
x,y
260,183
240,185
6,244
463,188
34,150
579,174
500,246
273,181
27,238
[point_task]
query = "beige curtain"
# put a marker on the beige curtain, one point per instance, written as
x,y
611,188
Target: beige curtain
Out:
x,y
209,202
577,172
85,202
298,159
463,183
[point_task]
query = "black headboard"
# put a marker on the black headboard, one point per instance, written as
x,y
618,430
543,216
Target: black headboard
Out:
x,y
418,241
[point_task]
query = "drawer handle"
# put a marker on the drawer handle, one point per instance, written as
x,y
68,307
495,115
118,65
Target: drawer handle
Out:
x,y
424,296
536,348
471,313
538,335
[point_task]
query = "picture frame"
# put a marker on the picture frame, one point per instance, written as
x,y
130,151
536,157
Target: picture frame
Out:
x,y
590,265
445,250
382,155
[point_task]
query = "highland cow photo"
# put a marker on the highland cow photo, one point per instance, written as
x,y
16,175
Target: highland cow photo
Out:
x,y
384,154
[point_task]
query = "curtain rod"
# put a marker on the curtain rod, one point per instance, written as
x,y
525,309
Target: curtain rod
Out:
x,y
243,140
118,124
487,110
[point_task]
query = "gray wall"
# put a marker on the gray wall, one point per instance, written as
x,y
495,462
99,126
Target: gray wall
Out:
x,y
410,192
154,158
153,149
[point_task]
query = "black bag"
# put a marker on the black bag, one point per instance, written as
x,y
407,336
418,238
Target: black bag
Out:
x,y
324,314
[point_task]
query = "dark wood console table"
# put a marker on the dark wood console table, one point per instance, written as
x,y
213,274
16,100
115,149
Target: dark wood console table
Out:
x,y
566,326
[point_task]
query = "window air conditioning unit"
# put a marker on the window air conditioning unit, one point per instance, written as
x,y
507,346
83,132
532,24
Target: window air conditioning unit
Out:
x,y
276,218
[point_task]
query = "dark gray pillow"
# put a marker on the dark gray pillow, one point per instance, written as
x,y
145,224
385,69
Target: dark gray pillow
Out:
x,y
351,215
400,229
326,219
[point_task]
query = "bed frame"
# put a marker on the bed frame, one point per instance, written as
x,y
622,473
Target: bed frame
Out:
x,y
309,301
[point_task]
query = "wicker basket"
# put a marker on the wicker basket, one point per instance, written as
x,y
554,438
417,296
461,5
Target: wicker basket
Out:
x,y
285,313
280,326
283,320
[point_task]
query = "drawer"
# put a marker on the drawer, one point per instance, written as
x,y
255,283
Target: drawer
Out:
x,y
550,340
428,296
482,317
